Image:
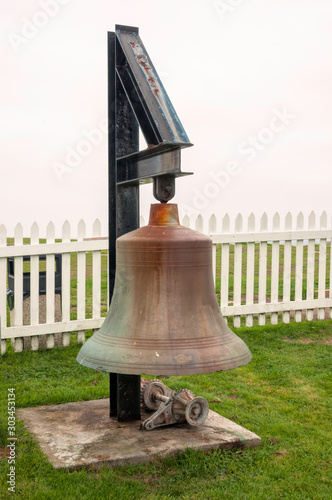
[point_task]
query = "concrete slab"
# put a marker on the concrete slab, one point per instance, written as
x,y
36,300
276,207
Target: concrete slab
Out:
x,y
81,434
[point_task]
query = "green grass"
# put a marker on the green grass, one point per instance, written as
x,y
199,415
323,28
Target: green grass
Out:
x,y
284,395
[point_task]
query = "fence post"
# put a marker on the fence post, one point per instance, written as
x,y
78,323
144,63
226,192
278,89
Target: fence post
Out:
x,y
299,266
262,269
287,275
224,278
250,270
238,270
275,269
322,266
50,284
3,287
96,273
311,266
65,283
330,284
81,276
34,286
18,288
212,231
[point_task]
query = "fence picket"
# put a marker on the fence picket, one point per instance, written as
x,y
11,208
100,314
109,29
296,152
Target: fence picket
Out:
x,y
322,266
275,268
18,288
238,270
212,231
299,267
330,283
287,275
65,283
34,286
311,266
96,273
3,287
262,269
224,284
141,221
50,284
81,276
199,224
186,221
250,270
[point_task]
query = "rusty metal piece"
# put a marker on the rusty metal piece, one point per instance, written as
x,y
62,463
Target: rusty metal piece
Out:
x,y
164,318
157,117
164,187
197,411
149,392
172,407
142,167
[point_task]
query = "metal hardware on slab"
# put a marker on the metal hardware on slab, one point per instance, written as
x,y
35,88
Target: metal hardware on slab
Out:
x,y
171,407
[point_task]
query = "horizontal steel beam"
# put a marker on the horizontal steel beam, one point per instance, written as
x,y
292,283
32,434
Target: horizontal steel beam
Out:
x,y
143,166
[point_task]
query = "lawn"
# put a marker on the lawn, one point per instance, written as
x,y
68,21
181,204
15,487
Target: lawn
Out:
x,y
284,395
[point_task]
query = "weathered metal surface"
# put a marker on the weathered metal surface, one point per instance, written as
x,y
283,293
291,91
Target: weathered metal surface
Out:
x,y
164,188
142,167
128,397
164,318
138,80
113,399
148,97
172,407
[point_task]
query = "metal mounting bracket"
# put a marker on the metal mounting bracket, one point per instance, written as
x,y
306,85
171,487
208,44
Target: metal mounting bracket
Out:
x,y
153,111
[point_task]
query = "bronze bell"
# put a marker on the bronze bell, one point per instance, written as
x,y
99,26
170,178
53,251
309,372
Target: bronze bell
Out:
x,y
164,318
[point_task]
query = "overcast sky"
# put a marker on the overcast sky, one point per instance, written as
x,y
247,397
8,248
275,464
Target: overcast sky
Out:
x,y
251,81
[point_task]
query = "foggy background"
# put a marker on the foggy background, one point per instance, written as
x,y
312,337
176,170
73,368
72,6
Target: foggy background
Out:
x,y
250,80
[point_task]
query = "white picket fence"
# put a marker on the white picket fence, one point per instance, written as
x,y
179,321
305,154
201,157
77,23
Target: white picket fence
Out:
x,y
17,330
292,251
245,260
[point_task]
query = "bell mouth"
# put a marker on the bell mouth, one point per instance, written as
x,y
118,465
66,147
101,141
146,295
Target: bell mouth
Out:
x,y
164,214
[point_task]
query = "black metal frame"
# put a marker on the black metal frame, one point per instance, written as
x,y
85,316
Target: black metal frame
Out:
x,y
136,97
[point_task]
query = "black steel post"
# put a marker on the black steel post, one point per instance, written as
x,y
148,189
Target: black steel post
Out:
x,y
111,194
129,397
123,217
127,142
113,395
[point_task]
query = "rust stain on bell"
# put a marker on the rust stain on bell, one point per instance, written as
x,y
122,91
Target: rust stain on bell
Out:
x,y
164,318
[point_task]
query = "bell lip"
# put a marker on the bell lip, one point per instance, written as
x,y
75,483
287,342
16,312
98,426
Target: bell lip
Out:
x,y
170,370
164,214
